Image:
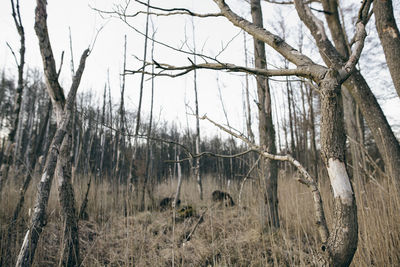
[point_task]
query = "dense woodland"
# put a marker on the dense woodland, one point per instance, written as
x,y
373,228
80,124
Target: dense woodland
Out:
x,y
311,178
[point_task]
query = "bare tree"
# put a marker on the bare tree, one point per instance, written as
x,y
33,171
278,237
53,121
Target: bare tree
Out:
x,y
58,159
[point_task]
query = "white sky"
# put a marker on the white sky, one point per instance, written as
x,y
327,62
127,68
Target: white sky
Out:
x,y
170,94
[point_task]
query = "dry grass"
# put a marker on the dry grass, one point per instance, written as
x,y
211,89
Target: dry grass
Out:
x,y
118,235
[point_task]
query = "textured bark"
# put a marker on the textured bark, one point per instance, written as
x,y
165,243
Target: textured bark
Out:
x,y
70,245
342,242
63,109
266,127
349,106
390,38
38,221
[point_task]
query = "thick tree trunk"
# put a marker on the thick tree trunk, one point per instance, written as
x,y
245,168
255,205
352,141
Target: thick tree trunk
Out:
x,y
349,106
266,127
390,38
342,242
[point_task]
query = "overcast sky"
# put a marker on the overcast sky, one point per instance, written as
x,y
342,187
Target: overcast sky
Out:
x,y
170,94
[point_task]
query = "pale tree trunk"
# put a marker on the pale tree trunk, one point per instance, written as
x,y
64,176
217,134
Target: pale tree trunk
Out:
x,y
121,141
147,181
141,205
58,158
196,172
250,133
178,187
266,129
313,141
7,158
102,133
390,38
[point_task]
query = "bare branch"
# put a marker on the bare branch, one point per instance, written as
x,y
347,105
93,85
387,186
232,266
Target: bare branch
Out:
x,y
61,63
13,53
289,2
305,179
182,11
301,71
328,52
360,35
206,153
277,43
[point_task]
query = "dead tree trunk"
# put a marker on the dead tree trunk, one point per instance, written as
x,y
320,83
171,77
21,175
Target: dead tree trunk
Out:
x,y
266,129
58,160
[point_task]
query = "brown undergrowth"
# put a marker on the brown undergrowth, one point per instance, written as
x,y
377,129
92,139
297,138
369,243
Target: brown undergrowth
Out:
x,y
117,235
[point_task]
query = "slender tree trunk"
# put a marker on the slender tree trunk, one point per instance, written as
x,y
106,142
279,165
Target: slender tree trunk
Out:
x,y
291,128
148,140
196,172
313,135
248,117
178,187
390,38
266,128
102,134
7,158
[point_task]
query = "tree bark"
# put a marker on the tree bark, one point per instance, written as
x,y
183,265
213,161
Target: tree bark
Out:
x,y
59,156
70,245
266,128
339,38
390,38
342,242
